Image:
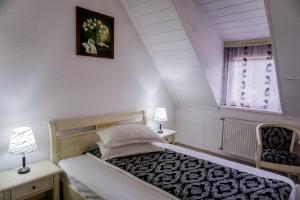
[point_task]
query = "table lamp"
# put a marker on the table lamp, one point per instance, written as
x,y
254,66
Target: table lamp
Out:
x,y
21,142
161,116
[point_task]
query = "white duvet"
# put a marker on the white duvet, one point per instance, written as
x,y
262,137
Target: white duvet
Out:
x,y
111,183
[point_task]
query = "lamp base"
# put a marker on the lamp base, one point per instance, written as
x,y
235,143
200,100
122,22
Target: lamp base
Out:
x,y
160,131
24,170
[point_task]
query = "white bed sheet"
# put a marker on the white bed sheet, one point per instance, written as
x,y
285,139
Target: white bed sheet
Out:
x,y
111,183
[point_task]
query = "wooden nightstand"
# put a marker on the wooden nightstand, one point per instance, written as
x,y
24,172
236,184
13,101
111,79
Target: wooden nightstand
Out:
x,y
42,182
168,136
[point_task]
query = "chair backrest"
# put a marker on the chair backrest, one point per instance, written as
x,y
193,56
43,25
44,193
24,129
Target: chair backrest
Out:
x,y
277,136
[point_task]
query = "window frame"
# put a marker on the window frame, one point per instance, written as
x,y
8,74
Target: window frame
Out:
x,y
224,98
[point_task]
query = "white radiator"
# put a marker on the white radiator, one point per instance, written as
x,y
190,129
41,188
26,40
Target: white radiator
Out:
x,y
239,137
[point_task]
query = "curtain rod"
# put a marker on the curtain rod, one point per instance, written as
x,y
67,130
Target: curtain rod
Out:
x,y
253,42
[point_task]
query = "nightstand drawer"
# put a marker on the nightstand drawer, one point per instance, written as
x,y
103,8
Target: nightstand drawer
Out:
x,y
167,135
32,188
5,195
168,139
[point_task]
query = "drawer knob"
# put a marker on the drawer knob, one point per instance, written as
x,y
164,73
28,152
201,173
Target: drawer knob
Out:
x,y
33,187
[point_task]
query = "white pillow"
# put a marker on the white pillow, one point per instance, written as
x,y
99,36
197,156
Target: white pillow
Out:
x,y
127,134
127,150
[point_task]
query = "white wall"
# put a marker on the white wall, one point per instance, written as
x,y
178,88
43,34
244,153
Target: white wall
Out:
x,y
206,42
42,79
199,127
284,21
202,127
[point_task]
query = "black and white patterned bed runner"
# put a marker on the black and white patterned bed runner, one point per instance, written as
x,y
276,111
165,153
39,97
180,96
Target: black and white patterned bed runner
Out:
x,y
191,178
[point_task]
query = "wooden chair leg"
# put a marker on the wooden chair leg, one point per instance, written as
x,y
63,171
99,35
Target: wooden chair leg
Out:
x,y
257,164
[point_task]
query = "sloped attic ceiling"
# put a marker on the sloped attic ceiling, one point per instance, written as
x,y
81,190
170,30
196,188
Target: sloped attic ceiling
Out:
x,y
185,39
237,19
284,18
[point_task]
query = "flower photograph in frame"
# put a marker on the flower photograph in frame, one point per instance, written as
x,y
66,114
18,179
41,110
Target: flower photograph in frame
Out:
x,y
94,34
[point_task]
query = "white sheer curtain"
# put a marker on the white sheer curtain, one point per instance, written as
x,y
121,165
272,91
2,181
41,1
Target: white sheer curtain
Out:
x,y
251,78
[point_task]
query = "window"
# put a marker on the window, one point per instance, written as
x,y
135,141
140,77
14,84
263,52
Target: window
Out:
x,y
250,78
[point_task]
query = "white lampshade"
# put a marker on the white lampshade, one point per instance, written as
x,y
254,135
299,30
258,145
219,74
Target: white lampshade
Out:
x,y
22,141
160,114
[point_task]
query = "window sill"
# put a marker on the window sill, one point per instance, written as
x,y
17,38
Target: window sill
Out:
x,y
250,110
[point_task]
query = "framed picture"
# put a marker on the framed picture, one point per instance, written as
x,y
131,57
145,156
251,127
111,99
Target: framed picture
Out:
x,y
94,34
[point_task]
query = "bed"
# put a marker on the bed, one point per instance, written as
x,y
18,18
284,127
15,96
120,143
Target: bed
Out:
x,y
88,177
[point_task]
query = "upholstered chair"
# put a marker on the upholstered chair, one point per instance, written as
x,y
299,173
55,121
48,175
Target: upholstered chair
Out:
x,y
275,143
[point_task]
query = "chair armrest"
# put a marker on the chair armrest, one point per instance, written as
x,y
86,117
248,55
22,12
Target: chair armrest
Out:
x,y
258,140
259,146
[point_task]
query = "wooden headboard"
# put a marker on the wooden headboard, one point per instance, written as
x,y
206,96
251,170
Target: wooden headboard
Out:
x,y
73,137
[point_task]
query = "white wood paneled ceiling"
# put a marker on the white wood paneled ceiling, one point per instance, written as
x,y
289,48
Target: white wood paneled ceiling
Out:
x,y
159,24
237,19
163,34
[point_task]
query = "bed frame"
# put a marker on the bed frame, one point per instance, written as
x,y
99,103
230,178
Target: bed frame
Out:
x,y
73,137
